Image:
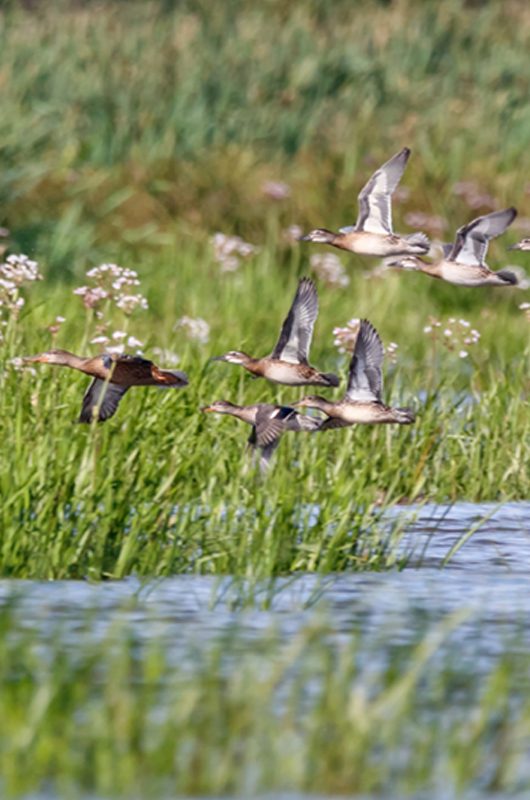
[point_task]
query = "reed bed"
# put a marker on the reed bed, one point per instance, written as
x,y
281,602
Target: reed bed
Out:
x,y
143,129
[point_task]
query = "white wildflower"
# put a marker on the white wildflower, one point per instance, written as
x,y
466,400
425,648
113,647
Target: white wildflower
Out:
x,y
292,234
116,349
130,302
463,354
346,337
196,329
166,356
133,342
276,190
229,250
328,267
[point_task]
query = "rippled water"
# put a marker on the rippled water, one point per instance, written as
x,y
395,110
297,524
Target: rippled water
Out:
x,y
487,574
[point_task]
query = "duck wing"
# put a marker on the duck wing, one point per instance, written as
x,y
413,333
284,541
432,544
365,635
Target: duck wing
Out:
x,y
270,423
365,379
375,207
297,329
101,398
471,242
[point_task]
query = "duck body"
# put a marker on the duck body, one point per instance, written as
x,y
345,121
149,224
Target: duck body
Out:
x,y
463,262
288,363
268,421
364,243
459,274
113,375
282,372
362,403
372,234
359,413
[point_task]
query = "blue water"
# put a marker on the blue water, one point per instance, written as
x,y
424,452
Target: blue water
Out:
x,y
486,575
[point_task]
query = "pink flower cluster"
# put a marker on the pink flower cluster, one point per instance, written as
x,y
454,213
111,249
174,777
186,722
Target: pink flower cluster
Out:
x,y
15,271
328,267
346,337
455,335
112,283
228,251
473,195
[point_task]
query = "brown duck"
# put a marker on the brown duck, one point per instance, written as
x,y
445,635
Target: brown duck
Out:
x,y
288,362
362,403
268,422
113,376
372,234
463,262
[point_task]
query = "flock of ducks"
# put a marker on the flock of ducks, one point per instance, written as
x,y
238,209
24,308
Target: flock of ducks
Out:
x,y
462,263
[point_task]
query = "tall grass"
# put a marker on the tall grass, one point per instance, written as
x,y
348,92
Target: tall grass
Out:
x,y
132,132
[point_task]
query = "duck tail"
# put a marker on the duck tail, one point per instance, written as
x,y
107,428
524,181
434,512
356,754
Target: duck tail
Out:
x,y
330,379
419,240
169,377
405,416
508,277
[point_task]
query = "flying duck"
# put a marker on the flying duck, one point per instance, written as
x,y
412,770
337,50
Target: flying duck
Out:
x,y
288,362
372,234
463,261
113,376
362,403
524,245
268,422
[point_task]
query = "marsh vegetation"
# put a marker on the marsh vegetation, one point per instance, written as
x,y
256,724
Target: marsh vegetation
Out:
x,y
192,144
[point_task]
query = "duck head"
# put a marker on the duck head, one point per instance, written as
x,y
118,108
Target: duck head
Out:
x,y
219,407
310,401
319,235
233,357
406,262
524,244
60,357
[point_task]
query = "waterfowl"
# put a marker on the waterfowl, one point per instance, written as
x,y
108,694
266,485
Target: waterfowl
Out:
x,y
362,403
463,261
113,376
288,362
524,245
372,234
268,422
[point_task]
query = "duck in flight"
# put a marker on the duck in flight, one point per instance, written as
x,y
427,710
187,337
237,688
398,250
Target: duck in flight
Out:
x,y
524,245
268,422
113,375
288,362
463,262
372,234
362,403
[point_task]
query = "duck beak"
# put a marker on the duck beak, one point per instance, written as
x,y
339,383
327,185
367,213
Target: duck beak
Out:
x,y
392,264
218,358
39,359
305,238
515,246
206,409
